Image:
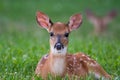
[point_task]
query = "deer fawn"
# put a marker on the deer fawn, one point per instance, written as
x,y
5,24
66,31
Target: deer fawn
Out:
x,y
100,23
58,62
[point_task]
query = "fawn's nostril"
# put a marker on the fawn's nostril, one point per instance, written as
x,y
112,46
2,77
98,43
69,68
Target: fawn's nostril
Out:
x,y
58,46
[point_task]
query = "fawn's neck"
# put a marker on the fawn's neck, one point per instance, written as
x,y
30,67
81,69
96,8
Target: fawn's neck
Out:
x,y
57,64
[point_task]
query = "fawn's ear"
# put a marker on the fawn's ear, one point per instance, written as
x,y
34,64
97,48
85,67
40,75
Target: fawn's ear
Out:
x,y
75,21
110,16
91,17
43,20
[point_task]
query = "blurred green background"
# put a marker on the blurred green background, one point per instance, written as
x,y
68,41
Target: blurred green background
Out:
x,y
22,42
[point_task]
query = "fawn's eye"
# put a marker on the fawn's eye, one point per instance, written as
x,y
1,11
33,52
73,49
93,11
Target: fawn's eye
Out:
x,y
51,34
66,34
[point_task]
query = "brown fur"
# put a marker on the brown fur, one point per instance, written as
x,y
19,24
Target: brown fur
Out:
x,y
59,64
77,64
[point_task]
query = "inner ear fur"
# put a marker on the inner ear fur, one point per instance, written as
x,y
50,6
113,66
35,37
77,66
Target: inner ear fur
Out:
x,y
75,21
43,20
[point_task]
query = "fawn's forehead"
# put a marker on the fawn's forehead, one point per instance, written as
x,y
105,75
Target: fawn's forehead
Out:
x,y
59,28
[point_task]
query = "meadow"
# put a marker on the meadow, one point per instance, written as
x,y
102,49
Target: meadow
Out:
x,y
23,42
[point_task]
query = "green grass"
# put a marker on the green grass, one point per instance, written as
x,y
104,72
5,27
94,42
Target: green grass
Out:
x,y
22,42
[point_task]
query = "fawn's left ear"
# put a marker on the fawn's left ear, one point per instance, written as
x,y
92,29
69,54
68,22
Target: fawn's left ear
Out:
x,y
43,20
75,22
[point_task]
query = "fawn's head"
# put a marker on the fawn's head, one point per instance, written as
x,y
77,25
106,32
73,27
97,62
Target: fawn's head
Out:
x,y
59,32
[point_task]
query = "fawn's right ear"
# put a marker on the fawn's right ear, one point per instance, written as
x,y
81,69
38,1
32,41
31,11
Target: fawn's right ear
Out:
x,y
43,20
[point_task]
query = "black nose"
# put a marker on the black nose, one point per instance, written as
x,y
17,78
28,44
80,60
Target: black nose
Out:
x,y
58,46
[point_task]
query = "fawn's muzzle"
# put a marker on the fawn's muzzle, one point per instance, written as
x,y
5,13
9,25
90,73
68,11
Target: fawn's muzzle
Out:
x,y
58,44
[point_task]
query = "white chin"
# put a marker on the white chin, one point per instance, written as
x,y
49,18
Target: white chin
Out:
x,y
63,51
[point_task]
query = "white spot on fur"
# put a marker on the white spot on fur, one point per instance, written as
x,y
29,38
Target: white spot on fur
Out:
x,y
85,61
88,58
54,51
96,75
74,58
92,64
83,55
70,65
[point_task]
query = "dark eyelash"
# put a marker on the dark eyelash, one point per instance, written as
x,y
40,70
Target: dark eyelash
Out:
x,y
66,34
51,34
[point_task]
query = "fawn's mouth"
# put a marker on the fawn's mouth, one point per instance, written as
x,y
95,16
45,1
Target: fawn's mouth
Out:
x,y
58,49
